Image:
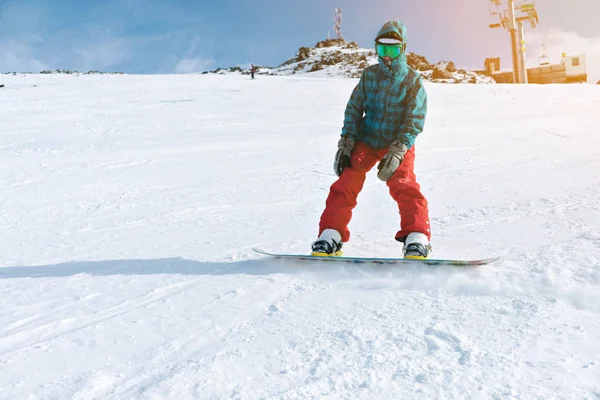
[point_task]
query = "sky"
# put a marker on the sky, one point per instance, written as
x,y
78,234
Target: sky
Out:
x,y
180,36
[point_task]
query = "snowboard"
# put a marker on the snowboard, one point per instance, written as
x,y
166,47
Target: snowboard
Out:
x,y
382,260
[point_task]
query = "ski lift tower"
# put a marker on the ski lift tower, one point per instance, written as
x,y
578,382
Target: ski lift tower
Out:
x,y
515,26
530,16
338,24
508,22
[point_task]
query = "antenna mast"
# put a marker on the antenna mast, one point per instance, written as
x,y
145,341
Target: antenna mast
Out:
x,y
338,23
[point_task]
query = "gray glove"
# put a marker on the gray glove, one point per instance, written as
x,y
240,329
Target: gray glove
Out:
x,y
391,161
342,156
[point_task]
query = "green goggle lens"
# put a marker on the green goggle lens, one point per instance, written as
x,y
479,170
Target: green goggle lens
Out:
x,y
390,50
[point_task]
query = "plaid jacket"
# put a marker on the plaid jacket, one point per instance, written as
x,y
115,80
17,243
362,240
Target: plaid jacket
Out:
x,y
388,103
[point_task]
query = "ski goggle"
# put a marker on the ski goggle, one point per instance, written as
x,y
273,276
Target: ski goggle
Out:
x,y
389,50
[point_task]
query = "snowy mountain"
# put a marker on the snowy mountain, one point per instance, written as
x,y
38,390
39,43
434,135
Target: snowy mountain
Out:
x,y
333,57
130,205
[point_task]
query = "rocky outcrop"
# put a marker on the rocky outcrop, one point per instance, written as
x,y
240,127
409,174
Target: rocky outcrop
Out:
x,y
335,57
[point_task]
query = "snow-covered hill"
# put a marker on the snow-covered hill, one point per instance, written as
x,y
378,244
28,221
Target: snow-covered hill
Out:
x,y
333,57
129,206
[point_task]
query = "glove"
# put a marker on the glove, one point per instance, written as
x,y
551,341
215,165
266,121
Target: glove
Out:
x,y
342,156
392,160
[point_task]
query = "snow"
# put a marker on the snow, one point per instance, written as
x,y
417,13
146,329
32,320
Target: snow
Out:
x,y
130,204
346,62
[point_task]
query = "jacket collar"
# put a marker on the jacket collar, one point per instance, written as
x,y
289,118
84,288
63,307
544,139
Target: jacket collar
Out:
x,y
397,69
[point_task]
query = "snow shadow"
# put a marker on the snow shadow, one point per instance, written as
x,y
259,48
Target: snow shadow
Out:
x,y
175,265
182,266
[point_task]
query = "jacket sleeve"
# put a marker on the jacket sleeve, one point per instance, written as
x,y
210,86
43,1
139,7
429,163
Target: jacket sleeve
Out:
x,y
416,111
355,109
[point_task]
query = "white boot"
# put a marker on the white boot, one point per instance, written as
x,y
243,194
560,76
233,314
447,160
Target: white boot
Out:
x,y
328,244
416,245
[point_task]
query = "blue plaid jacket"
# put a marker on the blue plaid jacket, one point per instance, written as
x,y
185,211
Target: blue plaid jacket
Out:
x,y
388,103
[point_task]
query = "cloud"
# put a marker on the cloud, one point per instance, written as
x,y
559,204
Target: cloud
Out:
x,y
21,31
558,41
34,53
104,52
191,62
17,56
138,36
187,65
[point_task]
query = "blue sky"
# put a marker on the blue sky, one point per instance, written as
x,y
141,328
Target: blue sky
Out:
x,y
177,36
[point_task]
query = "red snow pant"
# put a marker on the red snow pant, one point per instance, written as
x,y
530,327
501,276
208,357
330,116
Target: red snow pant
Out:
x,y
404,189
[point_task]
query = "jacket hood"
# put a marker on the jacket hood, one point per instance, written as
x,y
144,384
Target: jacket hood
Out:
x,y
395,30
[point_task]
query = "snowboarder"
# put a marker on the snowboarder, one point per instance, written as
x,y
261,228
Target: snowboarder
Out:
x,y
385,113
252,71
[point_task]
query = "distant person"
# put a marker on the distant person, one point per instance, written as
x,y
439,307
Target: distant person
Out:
x,y
252,71
385,113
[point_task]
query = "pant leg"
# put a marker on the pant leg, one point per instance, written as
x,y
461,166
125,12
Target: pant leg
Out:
x,y
412,205
344,192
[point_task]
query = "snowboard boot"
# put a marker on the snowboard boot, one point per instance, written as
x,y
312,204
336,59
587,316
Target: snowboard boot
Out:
x,y
328,244
416,246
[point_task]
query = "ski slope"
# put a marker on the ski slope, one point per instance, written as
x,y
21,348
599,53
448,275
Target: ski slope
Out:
x,y
129,206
